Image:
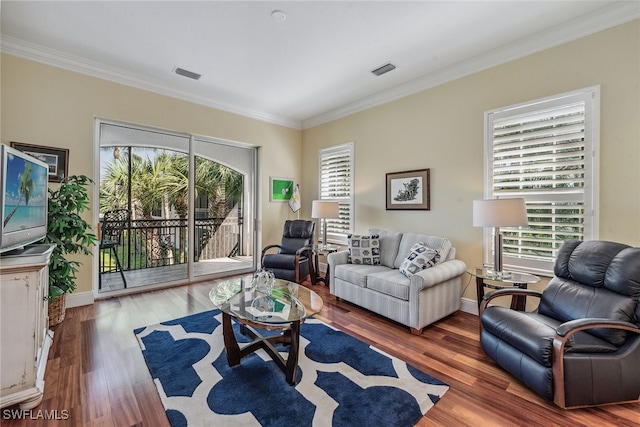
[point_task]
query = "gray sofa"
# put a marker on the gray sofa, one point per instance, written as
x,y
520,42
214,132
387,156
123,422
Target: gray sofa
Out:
x,y
415,301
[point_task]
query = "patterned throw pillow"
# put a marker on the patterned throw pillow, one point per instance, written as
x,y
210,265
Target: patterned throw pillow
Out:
x,y
364,249
420,258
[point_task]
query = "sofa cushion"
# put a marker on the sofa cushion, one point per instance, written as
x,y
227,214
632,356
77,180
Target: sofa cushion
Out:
x,y
390,282
389,244
420,258
440,244
364,249
356,273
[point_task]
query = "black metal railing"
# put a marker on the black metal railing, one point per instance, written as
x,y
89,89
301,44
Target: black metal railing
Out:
x,y
149,243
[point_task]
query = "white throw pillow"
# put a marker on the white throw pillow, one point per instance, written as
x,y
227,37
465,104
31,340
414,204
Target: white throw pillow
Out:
x,y
420,258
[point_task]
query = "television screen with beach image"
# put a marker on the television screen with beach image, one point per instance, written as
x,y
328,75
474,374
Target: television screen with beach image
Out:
x,y
25,194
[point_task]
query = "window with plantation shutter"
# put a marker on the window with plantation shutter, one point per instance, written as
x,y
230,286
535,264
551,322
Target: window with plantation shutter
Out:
x,y
547,152
336,184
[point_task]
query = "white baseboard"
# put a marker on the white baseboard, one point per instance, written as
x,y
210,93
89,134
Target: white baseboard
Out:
x,y
79,299
322,268
469,306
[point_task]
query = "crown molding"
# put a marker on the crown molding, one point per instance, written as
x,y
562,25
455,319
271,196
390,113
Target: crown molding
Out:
x,y
614,15
54,58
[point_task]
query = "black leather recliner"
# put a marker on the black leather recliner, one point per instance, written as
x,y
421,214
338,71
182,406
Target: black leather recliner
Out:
x,y
292,262
581,346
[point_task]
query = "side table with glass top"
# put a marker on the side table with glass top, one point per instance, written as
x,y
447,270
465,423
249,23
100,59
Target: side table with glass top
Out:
x,y
314,271
282,309
486,277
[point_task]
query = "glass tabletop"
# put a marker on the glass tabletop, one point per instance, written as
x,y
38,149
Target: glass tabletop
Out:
x,y
288,302
320,249
504,276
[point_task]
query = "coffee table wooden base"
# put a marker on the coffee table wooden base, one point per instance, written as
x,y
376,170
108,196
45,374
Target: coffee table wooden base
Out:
x,y
290,336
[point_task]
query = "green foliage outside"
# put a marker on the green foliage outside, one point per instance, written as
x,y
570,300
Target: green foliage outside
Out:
x,y
157,186
162,181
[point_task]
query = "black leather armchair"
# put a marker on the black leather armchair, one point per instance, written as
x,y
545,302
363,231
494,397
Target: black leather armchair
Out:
x,y
581,346
292,262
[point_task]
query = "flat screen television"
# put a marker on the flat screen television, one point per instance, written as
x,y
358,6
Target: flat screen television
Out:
x,y
23,199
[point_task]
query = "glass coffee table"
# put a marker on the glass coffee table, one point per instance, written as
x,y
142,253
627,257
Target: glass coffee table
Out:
x,y
288,305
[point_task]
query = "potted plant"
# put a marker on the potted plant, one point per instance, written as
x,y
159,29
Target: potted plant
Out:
x,y
72,235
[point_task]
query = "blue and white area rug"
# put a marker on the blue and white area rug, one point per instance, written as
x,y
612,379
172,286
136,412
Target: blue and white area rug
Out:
x,y
342,381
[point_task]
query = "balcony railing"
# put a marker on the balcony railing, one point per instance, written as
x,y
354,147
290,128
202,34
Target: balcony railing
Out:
x,y
149,243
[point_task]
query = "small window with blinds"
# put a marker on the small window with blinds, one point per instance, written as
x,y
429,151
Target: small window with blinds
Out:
x,y
547,152
336,184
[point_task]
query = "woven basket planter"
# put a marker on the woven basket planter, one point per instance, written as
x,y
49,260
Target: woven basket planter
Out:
x,y
57,310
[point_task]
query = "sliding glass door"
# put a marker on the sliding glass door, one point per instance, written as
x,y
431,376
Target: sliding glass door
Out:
x,y
225,179
190,202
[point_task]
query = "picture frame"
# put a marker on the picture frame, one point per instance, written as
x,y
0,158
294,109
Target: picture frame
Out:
x,y
280,189
56,158
409,190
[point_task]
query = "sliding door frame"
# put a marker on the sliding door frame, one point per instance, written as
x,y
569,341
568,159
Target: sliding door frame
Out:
x,y
250,196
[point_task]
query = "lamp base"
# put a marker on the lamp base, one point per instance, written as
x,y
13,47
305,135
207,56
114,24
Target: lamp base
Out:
x,y
497,250
497,271
324,234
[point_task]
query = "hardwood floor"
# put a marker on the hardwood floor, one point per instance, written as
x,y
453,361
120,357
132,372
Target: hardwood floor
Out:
x,y
96,375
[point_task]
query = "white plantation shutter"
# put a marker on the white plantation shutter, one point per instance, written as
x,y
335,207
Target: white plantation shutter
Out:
x,y
546,152
336,184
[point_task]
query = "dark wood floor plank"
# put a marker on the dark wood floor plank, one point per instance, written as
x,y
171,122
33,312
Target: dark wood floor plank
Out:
x,y
95,404
97,373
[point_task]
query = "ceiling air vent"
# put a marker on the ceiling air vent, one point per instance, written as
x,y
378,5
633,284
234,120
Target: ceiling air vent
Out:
x,y
384,69
187,73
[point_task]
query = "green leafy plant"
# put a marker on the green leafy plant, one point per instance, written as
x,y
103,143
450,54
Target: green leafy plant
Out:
x,y
68,231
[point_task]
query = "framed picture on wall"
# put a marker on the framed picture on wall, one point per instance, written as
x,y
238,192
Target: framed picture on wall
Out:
x,y
56,158
280,189
408,190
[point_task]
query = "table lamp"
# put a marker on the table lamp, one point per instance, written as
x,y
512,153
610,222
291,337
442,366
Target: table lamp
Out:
x,y
324,209
498,213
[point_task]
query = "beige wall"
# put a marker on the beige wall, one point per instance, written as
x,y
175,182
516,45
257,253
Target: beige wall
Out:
x,y
442,129
54,107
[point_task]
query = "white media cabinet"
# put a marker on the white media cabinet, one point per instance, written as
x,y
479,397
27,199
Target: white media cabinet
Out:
x,y
25,336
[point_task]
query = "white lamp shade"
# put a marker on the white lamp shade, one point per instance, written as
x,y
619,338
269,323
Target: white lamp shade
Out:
x,y
499,213
325,209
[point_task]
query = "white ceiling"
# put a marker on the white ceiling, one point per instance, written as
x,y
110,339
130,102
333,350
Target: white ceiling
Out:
x,y
310,68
